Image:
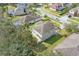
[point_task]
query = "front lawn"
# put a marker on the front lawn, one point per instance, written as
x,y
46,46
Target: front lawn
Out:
x,y
51,12
56,13
77,19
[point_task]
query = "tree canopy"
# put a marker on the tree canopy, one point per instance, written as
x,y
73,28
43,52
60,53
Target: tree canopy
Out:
x,y
15,41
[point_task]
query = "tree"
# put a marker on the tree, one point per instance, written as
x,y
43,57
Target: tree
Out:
x,y
15,41
4,9
32,9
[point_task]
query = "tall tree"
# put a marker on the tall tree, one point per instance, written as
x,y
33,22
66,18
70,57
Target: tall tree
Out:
x,y
15,41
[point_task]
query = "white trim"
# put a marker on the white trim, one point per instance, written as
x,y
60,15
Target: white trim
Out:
x,y
34,33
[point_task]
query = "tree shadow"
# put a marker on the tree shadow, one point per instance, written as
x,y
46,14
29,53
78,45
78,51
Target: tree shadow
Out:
x,y
53,39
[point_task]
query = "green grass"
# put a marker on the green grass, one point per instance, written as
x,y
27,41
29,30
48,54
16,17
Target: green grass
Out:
x,y
51,12
74,20
50,44
56,23
32,26
11,7
64,11
56,13
77,19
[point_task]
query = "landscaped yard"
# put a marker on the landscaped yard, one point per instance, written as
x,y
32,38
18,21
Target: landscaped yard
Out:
x,y
49,44
51,12
56,13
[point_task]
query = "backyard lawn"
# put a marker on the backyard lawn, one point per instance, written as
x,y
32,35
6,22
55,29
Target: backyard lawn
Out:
x,y
56,23
49,44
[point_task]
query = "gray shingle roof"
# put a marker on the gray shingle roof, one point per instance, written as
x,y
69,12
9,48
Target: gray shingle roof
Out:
x,y
70,45
44,27
29,18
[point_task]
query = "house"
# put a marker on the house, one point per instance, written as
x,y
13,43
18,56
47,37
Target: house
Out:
x,y
27,19
74,12
56,6
20,9
31,19
43,31
68,47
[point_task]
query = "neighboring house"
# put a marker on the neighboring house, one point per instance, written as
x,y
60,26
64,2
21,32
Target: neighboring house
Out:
x,y
56,6
27,19
68,47
20,9
74,12
31,19
43,31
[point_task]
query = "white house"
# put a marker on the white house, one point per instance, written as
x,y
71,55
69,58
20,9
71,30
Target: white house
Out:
x,y
44,31
27,19
74,12
21,9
